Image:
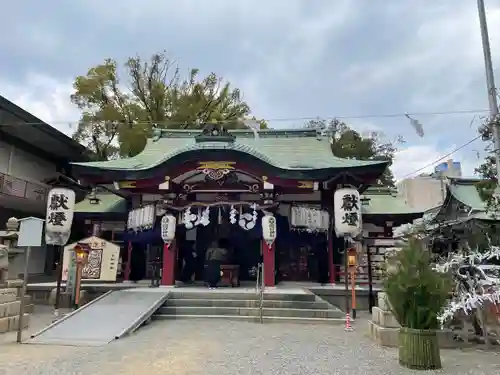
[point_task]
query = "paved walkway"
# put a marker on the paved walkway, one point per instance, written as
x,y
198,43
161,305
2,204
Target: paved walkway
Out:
x,y
216,347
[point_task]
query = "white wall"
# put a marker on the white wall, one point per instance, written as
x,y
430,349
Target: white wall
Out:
x,y
422,192
22,164
5,150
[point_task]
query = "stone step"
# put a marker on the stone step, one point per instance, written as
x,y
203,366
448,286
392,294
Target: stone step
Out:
x,y
211,295
187,302
252,312
265,319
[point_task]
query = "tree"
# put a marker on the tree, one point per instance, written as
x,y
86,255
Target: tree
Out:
x,y
348,143
116,119
487,170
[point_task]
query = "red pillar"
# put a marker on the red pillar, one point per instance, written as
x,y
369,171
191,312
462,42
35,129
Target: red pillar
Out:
x,y
332,271
128,265
169,259
269,264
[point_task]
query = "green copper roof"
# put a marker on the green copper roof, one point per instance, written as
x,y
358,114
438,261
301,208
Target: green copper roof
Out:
x,y
465,191
287,149
385,201
108,203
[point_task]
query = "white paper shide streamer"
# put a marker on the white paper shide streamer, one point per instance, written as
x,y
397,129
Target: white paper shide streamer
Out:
x,y
471,293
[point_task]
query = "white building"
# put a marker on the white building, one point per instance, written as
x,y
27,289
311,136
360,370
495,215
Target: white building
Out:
x,y
33,155
426,191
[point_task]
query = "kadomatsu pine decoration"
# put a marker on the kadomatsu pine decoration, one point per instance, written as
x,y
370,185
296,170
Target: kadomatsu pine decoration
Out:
x,y
417,295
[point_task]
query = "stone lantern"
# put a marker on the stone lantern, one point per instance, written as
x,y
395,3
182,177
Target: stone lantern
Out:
x,y
12,225
7,241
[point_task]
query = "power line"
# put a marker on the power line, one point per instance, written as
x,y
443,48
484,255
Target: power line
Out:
x,y
327,118
278,119
443,157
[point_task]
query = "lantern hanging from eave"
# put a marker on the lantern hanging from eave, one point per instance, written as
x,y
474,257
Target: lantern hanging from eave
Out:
x,y
168,226
269,229
347,208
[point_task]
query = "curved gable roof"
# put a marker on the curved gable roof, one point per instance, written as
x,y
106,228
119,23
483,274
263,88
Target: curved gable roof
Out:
x,y
285,149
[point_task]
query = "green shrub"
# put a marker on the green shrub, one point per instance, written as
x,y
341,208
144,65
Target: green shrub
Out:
x,y
416,292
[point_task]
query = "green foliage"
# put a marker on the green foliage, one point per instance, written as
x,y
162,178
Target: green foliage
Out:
x,y
417,293
118,116
348,143
487,170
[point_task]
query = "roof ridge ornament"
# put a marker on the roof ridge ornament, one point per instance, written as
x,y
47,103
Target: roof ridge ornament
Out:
x,y
215,133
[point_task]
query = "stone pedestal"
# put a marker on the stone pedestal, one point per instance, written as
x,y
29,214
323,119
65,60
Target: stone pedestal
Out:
x,y
66,300
10,304
384,328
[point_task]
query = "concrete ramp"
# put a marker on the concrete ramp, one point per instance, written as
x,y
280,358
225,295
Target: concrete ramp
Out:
x,y
107,318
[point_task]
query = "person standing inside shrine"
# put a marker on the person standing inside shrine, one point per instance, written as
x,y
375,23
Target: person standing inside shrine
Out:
x,y
321,250
138,262
189,260
215,256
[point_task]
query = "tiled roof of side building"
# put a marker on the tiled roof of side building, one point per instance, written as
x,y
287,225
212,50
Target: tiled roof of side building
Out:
x,y
105,203
465,191
383,200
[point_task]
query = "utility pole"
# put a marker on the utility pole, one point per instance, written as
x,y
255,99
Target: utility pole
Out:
x,y
490,83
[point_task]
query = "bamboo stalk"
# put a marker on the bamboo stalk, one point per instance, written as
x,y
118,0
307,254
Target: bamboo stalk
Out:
x,y
419,349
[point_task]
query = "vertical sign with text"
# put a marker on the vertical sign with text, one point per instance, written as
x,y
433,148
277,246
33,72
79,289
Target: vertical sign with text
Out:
x,y
71,278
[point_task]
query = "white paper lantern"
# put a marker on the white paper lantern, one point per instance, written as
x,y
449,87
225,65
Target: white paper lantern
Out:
x,y
269,229
60,209
168,226
347,206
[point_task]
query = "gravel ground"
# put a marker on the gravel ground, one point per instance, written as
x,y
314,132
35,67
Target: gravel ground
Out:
x,y
224,347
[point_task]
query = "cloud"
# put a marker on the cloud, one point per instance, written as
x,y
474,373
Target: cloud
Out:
x,y
292,59
46,98
414,160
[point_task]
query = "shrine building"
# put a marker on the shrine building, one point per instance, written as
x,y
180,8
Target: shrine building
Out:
x,y
219,184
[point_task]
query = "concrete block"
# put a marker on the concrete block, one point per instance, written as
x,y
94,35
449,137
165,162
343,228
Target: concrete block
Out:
x,y
15,283
11,323
384,318
12,291
9,309
386,336
6,298
14,322
4,325
383,302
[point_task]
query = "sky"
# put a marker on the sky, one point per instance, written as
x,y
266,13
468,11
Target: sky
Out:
x,y
365,61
